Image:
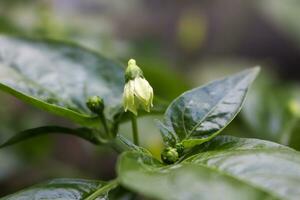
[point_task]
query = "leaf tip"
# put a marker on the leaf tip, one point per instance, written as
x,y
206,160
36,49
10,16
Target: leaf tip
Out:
x,y
256,70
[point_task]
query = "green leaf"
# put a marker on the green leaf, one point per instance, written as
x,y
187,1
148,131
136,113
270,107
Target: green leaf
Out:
x,y
262,164
85,133
66,189
200,114
226,166
147,176
59,77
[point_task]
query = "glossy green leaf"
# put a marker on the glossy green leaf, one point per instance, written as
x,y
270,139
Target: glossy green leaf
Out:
x,y
59,77
200,114
85,133
266,165
149,177
65,189
226,166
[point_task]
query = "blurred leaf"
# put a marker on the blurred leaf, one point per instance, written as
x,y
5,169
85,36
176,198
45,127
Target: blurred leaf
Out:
x,y
6,26
226,166
9,163
158,69
266,111
67,189
295,137
200,114
166,82
294,140
85,133
59,77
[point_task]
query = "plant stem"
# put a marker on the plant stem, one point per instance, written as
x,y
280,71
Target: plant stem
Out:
x,y
135,133
104,123
102,190
103,120
286,136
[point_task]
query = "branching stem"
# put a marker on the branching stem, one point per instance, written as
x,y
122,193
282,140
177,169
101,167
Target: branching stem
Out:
x,y
104,123
102,190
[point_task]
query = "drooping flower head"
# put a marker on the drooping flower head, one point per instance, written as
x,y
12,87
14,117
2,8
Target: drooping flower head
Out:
x,y
137,90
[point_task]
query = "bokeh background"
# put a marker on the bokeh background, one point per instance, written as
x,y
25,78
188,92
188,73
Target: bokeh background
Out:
x,y
181,44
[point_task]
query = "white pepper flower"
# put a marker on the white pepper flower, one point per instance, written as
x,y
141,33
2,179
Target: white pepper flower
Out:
x,y
137,90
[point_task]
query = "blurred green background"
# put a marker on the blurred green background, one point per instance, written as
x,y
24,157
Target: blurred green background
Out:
x,y
179,45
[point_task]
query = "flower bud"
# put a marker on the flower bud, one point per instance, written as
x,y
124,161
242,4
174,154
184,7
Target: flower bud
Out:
x,y
180,148
169,155
95,104
137,90
132,71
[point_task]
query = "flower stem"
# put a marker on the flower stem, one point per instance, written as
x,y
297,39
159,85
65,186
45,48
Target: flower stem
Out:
x,y
135,133
104,123
102,190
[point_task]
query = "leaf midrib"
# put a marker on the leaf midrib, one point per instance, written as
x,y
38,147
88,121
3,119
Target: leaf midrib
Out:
x,y
102,189
213,108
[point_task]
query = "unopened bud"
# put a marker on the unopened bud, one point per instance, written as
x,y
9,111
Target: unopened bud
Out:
x,y
132,71
95,104
180,148
137,91
169,155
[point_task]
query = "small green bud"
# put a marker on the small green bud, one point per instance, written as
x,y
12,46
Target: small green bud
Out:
x,y
180,148
95,104
132,71
169,155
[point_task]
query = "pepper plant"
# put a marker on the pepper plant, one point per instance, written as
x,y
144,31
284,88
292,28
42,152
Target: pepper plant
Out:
x,y
99,94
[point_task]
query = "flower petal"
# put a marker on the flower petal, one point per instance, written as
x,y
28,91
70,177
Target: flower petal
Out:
x,y
128,98
141,89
